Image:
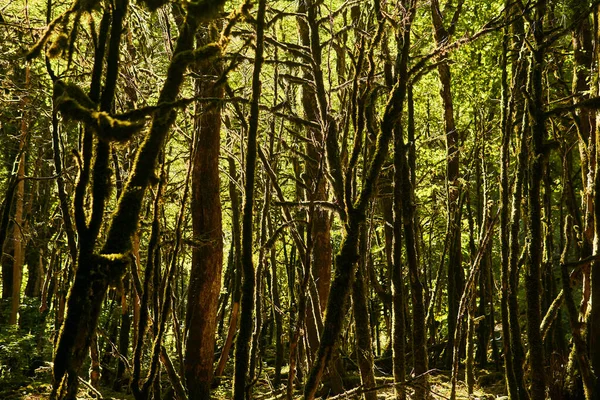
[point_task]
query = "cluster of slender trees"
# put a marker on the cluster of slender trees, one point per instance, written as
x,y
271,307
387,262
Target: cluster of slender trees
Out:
x,y
288,192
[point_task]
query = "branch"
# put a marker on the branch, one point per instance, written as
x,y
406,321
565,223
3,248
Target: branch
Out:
x,y
590,104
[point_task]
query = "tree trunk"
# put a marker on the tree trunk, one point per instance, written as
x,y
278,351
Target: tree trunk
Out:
x,y
207,254
345,260
405,207
242,348
594,312
455,270
536,160
578,341
18,234
362,323
237,267
124,332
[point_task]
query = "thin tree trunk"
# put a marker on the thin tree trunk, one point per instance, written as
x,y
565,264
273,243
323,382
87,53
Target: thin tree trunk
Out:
x,y
18,234
578,341
455,271
362,323
123,332
237,268
242,348
536,160
149,289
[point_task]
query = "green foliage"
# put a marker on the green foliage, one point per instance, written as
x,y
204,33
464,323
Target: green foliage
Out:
x,y
23,348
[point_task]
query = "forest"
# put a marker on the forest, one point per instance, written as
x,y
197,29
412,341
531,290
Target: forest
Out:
x,y
300,199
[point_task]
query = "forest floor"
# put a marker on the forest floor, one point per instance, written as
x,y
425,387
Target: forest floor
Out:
x,y
490,386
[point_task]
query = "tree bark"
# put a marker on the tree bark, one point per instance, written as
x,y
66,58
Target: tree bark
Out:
x,y
536,159
242,348
18,234
362,323
95,272
345,260
207,253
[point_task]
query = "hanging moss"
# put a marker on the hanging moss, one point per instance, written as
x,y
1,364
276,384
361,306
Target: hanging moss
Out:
x,y
112,129
36,50
59,44
204,53
61,22
71,90
75,105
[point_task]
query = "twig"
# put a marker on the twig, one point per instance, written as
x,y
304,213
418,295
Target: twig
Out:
x,y
89,386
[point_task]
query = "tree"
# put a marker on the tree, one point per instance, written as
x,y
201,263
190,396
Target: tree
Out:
x,y
117,194
205,275
241,389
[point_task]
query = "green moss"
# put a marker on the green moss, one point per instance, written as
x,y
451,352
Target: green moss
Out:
x,y
59,45
112,129
75,105
203,53
66,90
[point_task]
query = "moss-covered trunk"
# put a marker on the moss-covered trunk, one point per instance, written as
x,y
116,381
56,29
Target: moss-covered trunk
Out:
x,y
96,272
594,312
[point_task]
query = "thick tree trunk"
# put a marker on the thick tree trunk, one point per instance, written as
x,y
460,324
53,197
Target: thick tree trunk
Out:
x,y
207,254
317,189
